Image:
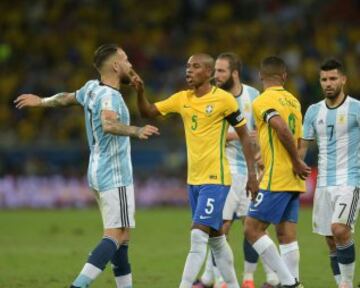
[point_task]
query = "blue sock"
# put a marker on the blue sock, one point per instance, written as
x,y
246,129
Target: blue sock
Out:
x,y
250,254
120,261
103,253
97,261
334,264
346,253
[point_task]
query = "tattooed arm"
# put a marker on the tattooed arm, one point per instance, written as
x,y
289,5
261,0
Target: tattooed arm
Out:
x,y
62,99
112,125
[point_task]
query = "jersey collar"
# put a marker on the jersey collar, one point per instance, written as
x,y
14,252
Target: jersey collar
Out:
x,y
341,103
275,88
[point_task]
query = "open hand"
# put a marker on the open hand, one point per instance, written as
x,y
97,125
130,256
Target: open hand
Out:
x,y
147,131
27,100
301,169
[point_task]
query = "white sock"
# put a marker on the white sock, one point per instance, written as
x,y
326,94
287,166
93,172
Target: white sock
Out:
x,y
271,277
266,248
124,281
224,260
207,278
217,276
347,272
291,255
195,258
249,269
337,279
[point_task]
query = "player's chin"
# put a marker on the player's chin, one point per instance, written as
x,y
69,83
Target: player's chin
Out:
x,y
190,83
125,80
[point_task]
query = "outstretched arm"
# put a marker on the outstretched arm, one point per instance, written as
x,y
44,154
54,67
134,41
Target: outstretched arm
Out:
x,y
59,100
147,109
286,138
112,125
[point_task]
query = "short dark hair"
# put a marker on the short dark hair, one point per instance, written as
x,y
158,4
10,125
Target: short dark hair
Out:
x,y
235,63
273,65
104,52
331,64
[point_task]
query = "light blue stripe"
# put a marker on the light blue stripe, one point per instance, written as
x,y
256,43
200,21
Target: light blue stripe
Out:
x,y
353,144
82,281
331,147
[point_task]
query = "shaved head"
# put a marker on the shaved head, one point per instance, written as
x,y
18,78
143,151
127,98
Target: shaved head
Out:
x,y
205,59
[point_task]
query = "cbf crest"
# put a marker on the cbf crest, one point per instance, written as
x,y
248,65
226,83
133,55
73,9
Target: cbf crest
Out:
x,y
209,109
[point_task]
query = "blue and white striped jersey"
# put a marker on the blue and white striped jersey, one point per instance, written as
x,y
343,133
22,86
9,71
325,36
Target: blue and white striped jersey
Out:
x,y
337,133
110,160
234,150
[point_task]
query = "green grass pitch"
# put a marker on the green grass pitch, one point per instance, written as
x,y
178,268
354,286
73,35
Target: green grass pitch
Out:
x,y
47,248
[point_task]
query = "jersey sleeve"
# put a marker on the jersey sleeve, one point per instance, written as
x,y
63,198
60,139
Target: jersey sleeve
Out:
x,y
232,112
264,109
80,94
171,104
255,94
110,101
308,127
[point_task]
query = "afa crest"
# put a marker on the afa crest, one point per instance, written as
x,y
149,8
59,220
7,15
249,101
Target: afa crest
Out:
x,y
341,119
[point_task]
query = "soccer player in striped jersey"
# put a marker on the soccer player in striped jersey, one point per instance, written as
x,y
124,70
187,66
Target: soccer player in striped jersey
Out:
x,y
110,176
278,120
334,123
206,111
227,76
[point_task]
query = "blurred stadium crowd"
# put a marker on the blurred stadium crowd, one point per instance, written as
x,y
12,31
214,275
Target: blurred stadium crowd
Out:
x,y
47,46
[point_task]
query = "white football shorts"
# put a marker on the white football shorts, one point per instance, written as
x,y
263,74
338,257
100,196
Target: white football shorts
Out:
x,y
237,203
117,207
335,204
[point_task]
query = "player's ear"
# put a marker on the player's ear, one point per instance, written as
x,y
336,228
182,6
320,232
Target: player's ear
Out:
x,y
235,74
343,80
116,66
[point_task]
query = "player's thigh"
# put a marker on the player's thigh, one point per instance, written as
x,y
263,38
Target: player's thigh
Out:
x,y
322,211
346,205
210,205
117,207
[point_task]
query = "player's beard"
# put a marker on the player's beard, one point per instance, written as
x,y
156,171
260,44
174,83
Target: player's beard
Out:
x,y
334,94
228,84
125,79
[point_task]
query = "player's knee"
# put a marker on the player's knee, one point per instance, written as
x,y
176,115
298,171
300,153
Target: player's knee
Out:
x,y
121,235
341,231
252,230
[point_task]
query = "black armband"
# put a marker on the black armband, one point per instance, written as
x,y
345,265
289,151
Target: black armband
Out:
x,y
269,114
235,118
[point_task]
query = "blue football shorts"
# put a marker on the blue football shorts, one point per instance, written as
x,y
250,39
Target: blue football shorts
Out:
x,y
275,207
207,204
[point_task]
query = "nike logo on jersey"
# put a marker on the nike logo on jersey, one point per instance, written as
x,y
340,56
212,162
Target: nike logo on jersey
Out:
x,y
252,210
187,106
204,217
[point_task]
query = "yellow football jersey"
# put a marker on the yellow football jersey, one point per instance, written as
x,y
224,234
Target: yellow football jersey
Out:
x,y
278,174
205,130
